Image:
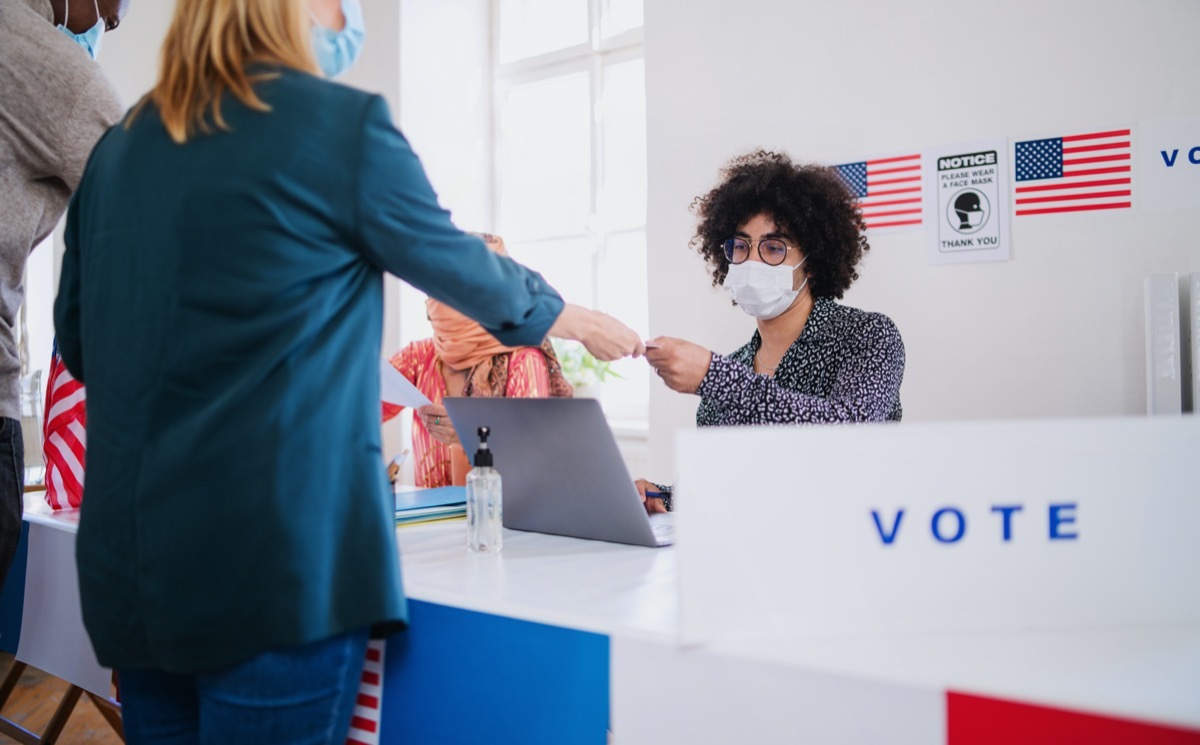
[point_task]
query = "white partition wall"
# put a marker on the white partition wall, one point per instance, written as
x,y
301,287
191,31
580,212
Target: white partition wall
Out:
x,y
878,530
1046,562
1190,310
1164,367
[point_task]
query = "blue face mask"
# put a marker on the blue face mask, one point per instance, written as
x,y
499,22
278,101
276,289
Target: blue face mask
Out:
x,y
336,51
89,40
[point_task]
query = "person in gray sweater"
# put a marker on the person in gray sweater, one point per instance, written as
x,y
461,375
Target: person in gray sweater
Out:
x,y
56,105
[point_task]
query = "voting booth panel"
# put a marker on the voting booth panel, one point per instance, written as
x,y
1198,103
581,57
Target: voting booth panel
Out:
x,y
938,528
1040,572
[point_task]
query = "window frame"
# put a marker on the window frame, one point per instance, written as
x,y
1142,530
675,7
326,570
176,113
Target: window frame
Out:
x,y
592,57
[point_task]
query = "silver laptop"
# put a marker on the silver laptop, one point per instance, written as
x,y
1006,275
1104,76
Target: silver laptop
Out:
x,y
561,469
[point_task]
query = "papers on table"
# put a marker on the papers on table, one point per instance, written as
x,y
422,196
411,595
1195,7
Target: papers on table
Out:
x,y
423,505
396,389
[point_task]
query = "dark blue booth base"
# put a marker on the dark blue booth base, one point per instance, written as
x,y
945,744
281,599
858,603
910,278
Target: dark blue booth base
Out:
x,y
12,597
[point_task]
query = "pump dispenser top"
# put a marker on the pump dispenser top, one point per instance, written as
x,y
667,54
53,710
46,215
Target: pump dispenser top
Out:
x,y
483,456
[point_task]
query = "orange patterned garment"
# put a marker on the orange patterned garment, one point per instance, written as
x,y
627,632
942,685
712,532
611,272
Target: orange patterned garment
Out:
x,y
528,377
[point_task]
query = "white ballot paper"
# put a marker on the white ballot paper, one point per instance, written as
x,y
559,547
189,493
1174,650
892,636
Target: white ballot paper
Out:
x,y
396,389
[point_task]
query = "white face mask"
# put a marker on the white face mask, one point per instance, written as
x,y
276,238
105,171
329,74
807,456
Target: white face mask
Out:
x,y
761,290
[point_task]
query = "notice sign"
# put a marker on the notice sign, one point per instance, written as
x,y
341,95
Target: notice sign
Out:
x,y
969,208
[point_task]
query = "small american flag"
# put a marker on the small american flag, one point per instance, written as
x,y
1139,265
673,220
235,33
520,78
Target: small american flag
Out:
x,y
64,436
364,724
1075,173
888,190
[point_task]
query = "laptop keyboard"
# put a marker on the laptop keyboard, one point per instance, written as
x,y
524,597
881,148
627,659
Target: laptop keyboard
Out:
x,y
663,525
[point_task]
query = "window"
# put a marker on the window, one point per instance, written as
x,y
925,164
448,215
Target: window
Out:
x,y
569,187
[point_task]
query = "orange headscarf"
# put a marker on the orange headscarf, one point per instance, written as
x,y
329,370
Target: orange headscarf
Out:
x,y
460,342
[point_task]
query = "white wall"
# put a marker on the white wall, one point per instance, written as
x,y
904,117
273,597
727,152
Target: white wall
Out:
x,y
130,54
1058,330
445,112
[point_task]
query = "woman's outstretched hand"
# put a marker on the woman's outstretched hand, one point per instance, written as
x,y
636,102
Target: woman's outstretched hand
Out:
x,y
604,336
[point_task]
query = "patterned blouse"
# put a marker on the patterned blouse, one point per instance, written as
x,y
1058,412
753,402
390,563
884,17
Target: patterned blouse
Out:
x,y
528,377
846,366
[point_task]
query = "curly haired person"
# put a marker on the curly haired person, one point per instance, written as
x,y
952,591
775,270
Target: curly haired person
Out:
x,y
785,240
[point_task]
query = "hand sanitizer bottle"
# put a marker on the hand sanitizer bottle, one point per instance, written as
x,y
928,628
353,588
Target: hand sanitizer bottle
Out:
x,y
485,530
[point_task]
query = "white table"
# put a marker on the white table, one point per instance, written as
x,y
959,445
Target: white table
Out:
x,y
604,588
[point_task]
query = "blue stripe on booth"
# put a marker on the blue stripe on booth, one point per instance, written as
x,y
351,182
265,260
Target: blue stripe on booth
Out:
x,y
460,676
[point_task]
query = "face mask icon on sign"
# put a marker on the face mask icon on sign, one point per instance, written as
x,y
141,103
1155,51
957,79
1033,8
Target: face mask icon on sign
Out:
x,y
968,212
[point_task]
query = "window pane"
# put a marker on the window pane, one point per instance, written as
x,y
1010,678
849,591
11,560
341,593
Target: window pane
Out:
x,y
623,195
545,159
532,27
566,265
621,16
624,294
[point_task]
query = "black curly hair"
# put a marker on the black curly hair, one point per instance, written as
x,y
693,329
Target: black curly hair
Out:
x,y
809,203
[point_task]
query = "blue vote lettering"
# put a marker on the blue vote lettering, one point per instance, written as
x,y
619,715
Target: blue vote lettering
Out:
x,y
948,525
1006,513
936,522
1058,519
1169,159
887,536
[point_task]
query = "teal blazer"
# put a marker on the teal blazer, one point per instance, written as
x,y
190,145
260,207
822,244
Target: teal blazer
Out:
x,y
223,301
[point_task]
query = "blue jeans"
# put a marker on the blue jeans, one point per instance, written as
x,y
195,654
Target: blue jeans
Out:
x,y
291,696
12,488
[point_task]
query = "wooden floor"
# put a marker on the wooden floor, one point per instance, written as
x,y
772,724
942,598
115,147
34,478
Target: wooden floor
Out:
x,y
34,701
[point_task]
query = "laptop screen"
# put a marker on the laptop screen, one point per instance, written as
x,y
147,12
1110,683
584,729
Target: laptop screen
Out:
x,y
560,466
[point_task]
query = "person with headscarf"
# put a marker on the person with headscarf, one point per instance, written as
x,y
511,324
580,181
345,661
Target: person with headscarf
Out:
x,y
463,359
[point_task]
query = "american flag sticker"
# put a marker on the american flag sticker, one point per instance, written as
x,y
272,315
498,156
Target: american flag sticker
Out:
x,y
888,191
1074,173
368,709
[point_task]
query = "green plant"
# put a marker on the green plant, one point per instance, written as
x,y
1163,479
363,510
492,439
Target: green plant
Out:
x,y
579,367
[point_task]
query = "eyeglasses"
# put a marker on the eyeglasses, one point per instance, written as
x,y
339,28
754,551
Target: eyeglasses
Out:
x,y
772,251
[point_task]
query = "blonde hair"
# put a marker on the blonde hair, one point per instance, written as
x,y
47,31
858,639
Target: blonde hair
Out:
x,y
207,49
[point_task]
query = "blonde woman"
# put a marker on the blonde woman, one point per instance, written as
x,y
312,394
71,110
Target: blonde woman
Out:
x,y
221,298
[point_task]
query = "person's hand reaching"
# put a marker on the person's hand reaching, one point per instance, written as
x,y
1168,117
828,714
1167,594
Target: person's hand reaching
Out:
x,y
681,364
604,336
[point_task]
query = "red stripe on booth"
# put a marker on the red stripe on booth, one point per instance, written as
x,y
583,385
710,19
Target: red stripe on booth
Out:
x,y
977,720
